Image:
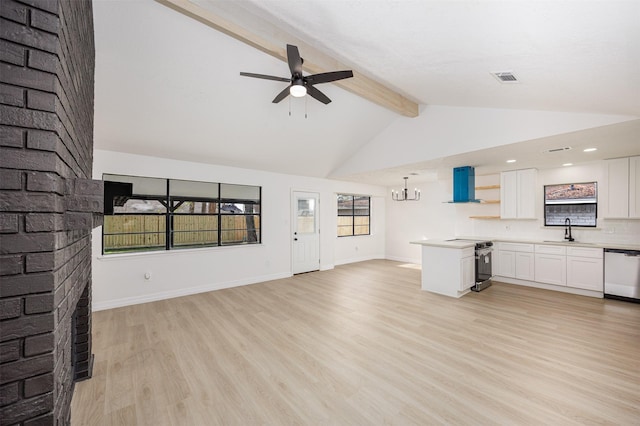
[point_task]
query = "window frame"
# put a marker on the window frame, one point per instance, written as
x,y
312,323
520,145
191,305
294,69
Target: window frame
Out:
x,y
169,200
578,202
353,214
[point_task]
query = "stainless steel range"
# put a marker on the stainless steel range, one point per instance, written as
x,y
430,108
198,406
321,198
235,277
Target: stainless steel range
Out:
x,y
483,265
483,272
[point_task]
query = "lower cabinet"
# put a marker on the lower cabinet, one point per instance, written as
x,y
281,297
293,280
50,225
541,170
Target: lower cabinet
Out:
x,y
448,271
560,265
585,268
468,269
551,264
525,266
551,269
515,260
506,264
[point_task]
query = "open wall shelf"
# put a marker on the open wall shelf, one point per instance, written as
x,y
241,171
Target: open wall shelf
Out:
x,y
486,188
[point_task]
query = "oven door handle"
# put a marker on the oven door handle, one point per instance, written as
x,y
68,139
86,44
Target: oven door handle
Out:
x,y
483,252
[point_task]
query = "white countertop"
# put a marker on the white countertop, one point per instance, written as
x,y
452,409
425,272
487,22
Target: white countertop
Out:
x,y
452,243
463,242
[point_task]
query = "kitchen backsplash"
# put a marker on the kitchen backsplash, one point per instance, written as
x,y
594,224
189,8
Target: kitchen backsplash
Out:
x,y
607,231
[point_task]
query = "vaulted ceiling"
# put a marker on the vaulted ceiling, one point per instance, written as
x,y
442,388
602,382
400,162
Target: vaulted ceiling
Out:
x,y
169,86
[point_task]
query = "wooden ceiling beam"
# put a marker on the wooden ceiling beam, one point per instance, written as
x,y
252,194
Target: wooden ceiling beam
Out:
x,y
360,84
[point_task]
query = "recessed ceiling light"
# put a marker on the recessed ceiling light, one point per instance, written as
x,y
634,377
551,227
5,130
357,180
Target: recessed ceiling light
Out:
x,y
511,161
590,149
568,164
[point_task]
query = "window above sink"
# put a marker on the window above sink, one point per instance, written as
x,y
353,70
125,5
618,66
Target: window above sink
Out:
x,y
576,201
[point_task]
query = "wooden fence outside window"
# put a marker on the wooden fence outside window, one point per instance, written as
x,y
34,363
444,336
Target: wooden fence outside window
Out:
x,y
145,232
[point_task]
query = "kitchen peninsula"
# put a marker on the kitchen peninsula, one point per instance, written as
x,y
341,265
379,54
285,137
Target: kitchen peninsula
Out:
x,y
447,266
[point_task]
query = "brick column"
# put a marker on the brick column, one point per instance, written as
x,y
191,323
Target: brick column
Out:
x,y
48,204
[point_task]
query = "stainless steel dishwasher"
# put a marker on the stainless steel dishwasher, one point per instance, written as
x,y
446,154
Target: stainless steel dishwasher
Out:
x,y
622,274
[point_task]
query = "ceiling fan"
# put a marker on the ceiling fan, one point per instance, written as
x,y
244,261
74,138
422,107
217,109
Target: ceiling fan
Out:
x,y
301,85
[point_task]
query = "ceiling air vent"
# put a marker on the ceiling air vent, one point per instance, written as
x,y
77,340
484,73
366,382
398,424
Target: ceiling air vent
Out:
x,y
553,150
505,77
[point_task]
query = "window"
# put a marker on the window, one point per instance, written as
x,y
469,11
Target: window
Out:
x,y
147,214
353,215
576,201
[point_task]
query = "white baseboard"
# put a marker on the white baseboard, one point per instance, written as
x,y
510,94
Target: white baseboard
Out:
x,y
358,259
162,295
417,261
564,289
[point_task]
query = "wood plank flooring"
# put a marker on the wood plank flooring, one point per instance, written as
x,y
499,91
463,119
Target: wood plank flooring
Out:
x,y
363,345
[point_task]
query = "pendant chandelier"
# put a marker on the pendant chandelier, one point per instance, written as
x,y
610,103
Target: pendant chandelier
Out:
x,y
403,194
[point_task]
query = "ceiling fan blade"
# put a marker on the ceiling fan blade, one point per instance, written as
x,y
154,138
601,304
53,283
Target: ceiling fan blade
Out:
x,y
316,94
265,77
327,77
295,62
282,95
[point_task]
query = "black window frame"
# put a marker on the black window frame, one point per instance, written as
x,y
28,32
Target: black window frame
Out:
x,y
168,200
547,203
353,214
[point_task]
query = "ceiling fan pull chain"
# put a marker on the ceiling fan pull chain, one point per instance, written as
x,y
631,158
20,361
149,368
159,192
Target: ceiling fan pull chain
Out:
x,y
305,107
289,107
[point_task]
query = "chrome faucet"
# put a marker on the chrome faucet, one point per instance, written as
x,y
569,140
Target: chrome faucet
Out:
x,y
567,230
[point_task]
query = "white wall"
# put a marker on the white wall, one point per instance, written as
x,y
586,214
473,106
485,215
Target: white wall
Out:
x,y
430,218
118,280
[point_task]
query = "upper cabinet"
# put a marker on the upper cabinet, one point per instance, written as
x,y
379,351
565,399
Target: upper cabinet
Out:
x,y
634,187
620,196
517,194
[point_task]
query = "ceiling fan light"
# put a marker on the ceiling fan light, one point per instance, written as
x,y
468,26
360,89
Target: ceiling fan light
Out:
x,y
298,91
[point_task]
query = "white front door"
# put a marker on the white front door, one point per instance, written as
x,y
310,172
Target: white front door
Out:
x,y
306,235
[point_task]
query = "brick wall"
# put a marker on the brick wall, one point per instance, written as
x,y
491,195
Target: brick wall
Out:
x,y
48,206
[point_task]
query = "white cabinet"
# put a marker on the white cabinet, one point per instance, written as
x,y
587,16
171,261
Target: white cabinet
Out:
x,y
448,271
509,195
525,266
517,194
585,268
468,269
515,260
634,187
620,196
577,267
506,263
551,269
572,267
550,264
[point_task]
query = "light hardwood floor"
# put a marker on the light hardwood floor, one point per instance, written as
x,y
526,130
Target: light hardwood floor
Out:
x,y
363,345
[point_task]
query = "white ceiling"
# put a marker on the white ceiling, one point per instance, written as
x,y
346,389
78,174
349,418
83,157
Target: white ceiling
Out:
x,y
169,86
621,140
580,56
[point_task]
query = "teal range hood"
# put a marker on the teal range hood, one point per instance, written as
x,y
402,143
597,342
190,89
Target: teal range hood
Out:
x,y
464,185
